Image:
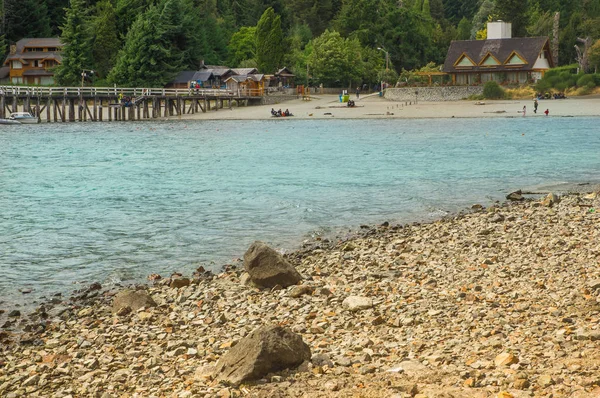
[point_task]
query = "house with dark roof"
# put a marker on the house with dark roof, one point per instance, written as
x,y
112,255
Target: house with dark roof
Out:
x,y
192,79
31,61
500,58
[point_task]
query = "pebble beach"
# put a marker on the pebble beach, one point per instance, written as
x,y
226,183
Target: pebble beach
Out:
x,y
502,301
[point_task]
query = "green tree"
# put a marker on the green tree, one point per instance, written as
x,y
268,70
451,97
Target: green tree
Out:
x,y
364,19
242,45
317,14
481,17
409,38
105,42
426,9
455,10
26,18
335,61
464,29
516,12
147,58
127,12
269,42
76,53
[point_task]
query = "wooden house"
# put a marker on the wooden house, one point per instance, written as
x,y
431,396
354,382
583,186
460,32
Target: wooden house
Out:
x,y
250,85
500,58
284,77
31,61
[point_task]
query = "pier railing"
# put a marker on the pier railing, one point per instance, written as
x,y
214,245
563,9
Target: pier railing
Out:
x,y
125,91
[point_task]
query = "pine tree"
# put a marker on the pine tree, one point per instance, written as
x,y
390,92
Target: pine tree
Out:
x,y
269,42
26,18
426,9
464,29
76,53
146,58
106,43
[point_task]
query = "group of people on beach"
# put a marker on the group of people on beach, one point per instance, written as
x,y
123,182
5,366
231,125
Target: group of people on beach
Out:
x,y
542,96
278,113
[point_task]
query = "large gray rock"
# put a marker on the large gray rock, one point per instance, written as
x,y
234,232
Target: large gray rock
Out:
x,y
133,299
268,268
265,350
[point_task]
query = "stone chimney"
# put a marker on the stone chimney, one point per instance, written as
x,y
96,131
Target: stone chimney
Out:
x,y
499,30
201,64
13,49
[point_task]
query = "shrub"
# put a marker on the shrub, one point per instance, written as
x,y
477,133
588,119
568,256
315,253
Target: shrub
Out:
x,y
586,81
492,90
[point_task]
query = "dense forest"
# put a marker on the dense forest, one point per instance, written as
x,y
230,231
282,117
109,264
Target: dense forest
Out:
x,y
147,42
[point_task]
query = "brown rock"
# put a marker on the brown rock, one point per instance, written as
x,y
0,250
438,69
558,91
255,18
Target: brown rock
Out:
x,y
521,384
134,299
178,282
550,200
267,268
515,196
267,349
300,290
505,359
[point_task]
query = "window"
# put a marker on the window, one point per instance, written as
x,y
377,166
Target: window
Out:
x,y
464,61
489,60
17,80
17,65
515,59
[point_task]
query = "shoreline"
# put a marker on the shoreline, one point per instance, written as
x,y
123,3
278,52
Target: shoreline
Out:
x,y
338,233
394,265
373,107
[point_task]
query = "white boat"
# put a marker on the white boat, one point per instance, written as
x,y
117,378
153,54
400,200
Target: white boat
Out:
x,y
23,117
9,121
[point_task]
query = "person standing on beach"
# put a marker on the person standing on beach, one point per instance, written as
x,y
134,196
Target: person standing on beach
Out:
x,y
357,92
524,110
546,112
535,105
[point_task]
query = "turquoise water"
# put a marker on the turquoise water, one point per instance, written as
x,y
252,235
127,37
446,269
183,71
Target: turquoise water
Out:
x,y
115,202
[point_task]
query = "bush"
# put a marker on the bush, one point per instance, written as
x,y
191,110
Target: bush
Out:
x,y
586,81
492,90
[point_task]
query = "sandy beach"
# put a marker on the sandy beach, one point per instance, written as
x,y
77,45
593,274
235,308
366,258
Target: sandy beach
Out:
x,y
374,107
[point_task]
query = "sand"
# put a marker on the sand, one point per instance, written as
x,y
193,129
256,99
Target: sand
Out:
x,y
373,106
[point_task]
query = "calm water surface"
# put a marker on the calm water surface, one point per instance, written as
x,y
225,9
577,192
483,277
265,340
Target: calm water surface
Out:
x,y
117,201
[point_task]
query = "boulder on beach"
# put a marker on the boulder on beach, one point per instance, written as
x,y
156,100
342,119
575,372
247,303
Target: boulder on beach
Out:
x,y
515,196
265,350
133,299
267,268
550,200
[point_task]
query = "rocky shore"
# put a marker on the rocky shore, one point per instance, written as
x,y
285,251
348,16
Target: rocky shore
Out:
x,y
497,302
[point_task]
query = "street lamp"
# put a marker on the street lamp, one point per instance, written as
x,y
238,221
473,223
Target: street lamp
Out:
x,y
84,74
387,63
387,58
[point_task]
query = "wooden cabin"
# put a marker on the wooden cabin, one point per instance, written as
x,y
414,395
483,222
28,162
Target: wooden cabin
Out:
x,y
284,78
31,61
247,85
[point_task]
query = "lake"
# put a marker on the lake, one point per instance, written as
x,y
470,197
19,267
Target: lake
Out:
x,y
114,202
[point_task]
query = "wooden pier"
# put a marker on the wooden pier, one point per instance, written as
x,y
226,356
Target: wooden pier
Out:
x,y
70,104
